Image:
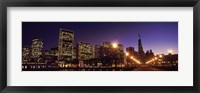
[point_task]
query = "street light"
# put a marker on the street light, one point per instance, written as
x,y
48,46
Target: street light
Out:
x,y
127,53
114,45
131,57
160,56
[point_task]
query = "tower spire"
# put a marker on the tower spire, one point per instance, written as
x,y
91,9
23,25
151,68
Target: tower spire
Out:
x,y
139,36
140,48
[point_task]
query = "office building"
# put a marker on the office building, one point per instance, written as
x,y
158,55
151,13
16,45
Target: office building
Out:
x,y
84,51
37,46
25,54
65,45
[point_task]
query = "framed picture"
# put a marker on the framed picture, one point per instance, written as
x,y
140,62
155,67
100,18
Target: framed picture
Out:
x,y
100,46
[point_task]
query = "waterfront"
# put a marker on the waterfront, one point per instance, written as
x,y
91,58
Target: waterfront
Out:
x,y
103,68
80,49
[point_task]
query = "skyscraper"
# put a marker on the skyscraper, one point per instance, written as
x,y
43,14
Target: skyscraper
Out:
x,y
140,48
65,45
84,51
141,54
98,51
37,46
121,48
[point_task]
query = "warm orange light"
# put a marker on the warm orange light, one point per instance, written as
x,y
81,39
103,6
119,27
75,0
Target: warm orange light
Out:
x,y
160,56
127,53
115,45
131,57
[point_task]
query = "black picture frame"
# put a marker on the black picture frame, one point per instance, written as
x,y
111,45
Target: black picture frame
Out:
x,y
98,3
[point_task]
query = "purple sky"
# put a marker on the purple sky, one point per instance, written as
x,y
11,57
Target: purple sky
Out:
x,y
158,36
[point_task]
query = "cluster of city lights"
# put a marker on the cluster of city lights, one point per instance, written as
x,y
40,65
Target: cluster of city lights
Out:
x,y
134,59
115,45
170,51
154,59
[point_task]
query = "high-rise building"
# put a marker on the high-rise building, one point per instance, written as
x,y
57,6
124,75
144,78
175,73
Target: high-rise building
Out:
x,y
84,51
141,54
107,48
121,48
97,51
25,54
120,53
65,45
37,46
140,48
110,49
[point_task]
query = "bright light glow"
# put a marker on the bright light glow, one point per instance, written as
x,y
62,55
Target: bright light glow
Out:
x,y
155,58
170,51
127,53
131,57
115,45
135,60
160,56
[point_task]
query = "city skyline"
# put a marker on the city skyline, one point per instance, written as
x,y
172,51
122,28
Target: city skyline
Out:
x,y
161,37
99,46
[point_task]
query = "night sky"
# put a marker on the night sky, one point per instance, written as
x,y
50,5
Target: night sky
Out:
x,y
158,36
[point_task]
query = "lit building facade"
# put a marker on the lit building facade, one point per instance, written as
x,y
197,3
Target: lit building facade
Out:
x,y
65,45
84,51
25,54
74,53
166,62
107,48
120,53
37,46
98,51
121,48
